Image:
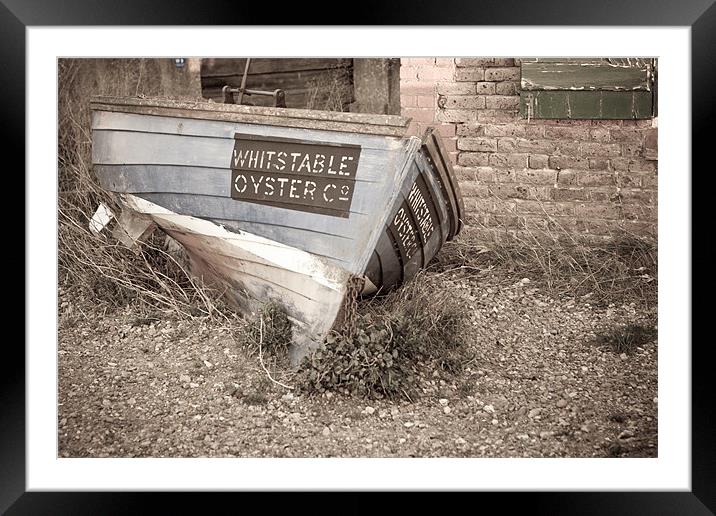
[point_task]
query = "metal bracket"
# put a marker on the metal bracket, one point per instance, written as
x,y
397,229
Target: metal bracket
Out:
x,y
279,97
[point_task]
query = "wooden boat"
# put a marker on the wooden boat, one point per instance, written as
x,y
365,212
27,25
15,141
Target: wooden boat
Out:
x,y
279,204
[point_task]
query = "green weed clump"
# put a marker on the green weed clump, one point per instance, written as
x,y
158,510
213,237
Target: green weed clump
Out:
x,y
396,338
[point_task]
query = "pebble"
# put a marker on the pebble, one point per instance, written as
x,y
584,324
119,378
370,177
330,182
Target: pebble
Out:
x,y
326,431
369,410
447,410
443,401
460,440
623,356
184,378
495,422
408,424
562,403
534,412
489,408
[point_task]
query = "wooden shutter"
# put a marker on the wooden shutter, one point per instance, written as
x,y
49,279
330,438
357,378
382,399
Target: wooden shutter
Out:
x,y
594,88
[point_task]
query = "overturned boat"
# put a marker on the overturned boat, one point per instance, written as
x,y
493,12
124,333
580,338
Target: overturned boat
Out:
x,y
276,204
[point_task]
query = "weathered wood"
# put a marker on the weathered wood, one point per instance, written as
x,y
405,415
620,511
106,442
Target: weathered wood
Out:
x,y
221,67
386,125
585,75
586,104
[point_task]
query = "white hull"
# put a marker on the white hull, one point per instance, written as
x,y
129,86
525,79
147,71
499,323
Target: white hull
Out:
x,y
257,270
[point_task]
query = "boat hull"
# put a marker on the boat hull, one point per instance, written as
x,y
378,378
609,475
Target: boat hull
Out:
x,y
281,205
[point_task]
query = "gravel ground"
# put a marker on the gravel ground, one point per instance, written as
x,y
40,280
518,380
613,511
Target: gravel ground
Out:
x,y
539,384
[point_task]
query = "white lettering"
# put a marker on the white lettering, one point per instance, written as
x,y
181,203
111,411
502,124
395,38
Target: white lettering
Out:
x,y
293,188
326,190
267,185
236,183
316,163
307,191
344,166
280,157
282,181
256,185
306,162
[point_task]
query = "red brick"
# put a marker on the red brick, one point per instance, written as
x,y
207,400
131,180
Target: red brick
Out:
x,y
408,101
444,61
507,88
627,135
446,130
497,115
469,74
484,61
538,161
598,164
450,144
566,133
508,160
548,208
427,101
600,149
639,212
456,88
473,159
651,144
567,177
456,115
597,211
502,102
599,134
477,144
465,102
649,181
569,194
416,88
629,195
485,88
474,189
541,177
632,150
471,130
419,115
596,179
560,162
417,61
536,146
408,72
502,74
517,130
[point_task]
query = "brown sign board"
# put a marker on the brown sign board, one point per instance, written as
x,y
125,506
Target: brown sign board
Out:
x,y
294,174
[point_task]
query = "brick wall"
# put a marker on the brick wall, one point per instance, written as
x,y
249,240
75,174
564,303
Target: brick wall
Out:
x,y
592,178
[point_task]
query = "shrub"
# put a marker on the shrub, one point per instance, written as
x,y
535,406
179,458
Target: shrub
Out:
x,y
396,338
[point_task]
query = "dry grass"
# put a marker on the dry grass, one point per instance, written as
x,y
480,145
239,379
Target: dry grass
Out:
x,y
616,269
330,92
98,266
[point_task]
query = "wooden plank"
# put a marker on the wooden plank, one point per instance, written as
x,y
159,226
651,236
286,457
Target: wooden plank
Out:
x,y
130,148
586,75
358,122
442,160
213,67
614,105
287,81
104,120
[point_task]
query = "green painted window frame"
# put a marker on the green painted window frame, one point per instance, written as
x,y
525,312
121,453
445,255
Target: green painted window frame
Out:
x,y
588,89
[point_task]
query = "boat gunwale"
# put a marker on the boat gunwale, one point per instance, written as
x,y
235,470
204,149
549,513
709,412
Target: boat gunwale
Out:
x,y
362,123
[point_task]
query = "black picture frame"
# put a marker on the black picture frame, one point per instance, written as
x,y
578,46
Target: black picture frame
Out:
x,y
700,15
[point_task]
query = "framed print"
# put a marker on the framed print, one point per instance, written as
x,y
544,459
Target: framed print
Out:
x,y
310,164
